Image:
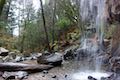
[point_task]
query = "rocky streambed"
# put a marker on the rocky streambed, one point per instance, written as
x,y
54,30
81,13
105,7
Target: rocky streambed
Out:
x,y
69,70
59,66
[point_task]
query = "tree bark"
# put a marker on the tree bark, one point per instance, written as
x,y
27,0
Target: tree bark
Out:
x,y
44,24
23,67
25,25
53,32
2,3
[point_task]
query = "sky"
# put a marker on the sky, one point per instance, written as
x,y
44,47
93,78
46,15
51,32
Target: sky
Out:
x,y
36,5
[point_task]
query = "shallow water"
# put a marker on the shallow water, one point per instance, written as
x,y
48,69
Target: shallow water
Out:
x,y
84,75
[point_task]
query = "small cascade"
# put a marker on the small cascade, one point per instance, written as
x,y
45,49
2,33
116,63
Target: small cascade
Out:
x,y
92,14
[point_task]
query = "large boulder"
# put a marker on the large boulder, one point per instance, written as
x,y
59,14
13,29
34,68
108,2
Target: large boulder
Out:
x,y
54,59
3,51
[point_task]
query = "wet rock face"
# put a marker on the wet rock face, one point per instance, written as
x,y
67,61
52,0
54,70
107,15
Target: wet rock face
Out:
x,y
113,76
113,10
81,54
70,53
115,64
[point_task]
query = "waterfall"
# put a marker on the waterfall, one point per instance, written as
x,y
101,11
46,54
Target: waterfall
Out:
x,y
92,14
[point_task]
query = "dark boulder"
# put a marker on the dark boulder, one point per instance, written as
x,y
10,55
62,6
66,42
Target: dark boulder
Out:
x,y
45,72
54,59
70,52
91,78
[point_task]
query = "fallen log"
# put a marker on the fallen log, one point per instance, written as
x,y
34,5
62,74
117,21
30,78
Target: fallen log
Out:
x,y
23,67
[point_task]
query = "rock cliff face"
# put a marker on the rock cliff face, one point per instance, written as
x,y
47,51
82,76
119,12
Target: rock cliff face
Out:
x,y
113,10
112,13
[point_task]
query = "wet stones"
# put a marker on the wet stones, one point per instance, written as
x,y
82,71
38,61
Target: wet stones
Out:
x,y
45,72
91,78
69,54
3,51
113,76
15,75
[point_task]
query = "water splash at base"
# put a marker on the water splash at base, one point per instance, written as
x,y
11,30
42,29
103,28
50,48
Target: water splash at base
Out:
x,y
84,75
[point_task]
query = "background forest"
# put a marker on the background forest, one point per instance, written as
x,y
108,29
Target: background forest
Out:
x,y
53,25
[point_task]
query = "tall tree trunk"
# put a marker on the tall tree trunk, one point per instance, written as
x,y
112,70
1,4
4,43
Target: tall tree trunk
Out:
x,y
2,3
6,10
53,30
44,24
23,37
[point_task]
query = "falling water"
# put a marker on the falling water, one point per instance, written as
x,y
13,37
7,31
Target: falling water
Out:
x,y
92,11
92,14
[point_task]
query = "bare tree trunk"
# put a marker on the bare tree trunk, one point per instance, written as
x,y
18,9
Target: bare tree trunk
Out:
x,y
53,30
23,67
6,13
2,3
44,24
23,38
